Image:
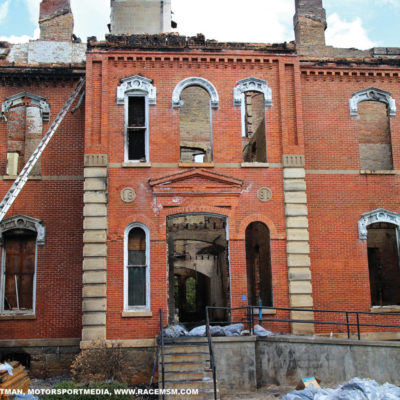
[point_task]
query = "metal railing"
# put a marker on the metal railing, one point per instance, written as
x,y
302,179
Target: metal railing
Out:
x,y
350,318
212,360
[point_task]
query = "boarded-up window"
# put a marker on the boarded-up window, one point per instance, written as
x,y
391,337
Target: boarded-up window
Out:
x,y
258,260
195,125
374,136
137,266
253,141
19,269
136,129
383,262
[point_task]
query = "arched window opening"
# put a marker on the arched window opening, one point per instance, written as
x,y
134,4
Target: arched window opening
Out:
x,y
374,136
258,260
383,263
137,268
195,125
253,134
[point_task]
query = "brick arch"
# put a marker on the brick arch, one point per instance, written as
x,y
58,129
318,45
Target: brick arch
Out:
x,y
148,222
258,218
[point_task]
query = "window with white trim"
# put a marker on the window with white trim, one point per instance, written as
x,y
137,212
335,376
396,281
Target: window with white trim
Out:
x,y
137,268
136,93
20,236
253,95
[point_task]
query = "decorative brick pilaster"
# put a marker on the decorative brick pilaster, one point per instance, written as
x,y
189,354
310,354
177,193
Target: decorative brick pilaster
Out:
x,y
297,247
95,248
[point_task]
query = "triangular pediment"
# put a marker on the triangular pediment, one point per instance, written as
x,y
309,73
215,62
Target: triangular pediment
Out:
x,y
194,182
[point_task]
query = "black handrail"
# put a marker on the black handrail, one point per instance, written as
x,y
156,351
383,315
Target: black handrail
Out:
x,y
212,361
162,352
347,314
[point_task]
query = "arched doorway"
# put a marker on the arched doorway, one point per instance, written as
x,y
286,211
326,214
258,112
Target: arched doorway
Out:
x,y
198,266
258,262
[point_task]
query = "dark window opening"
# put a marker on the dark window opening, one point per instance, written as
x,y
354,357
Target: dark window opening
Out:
x,y
383,262
19,273
137,267
136,130
254,140
190,154
258,260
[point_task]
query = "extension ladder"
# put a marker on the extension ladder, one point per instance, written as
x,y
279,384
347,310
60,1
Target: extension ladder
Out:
x,y
22,178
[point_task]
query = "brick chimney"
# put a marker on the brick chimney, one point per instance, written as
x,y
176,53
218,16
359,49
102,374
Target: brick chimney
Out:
x,y
140,16
56,20
309,24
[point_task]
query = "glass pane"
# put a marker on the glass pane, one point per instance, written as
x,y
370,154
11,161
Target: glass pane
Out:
x,y
136,286
136,257
136,144
136,116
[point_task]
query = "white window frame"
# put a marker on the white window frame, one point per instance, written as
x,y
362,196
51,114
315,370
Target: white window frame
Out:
x,y
28,224
146,127
128,308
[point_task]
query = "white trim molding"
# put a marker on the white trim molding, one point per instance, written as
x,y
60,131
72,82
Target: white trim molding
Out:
x,y
146,307
372,94
24,222
195,81
137,85
379,215
17,100
254,85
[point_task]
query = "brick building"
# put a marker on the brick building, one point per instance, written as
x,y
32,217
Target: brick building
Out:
x,y
196,173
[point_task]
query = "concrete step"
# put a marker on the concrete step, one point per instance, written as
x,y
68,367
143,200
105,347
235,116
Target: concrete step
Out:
x,y
177,357
182,348
187,375
189,384
186,366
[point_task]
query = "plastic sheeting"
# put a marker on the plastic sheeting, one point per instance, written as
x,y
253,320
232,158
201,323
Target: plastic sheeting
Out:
x,y
356,389
260,331
175,331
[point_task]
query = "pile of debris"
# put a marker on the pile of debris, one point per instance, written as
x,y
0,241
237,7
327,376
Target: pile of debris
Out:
x,y
13,376
175,331
356,389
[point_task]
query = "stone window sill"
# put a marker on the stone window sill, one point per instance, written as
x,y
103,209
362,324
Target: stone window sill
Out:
x,y
383,309
254,165
196,165
136,165
14,316
136,314
377,172
264,312
14,177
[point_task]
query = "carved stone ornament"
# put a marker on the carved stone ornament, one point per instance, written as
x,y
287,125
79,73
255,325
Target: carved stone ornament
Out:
x,y
379,215
254,85
264,194
137,84
372,94
35,100
194,81
128,195
23,222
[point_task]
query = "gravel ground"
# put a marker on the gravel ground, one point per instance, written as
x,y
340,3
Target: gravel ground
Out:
x,y
266,393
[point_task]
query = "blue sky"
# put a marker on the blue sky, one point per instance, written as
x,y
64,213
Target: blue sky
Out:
x,y
351,23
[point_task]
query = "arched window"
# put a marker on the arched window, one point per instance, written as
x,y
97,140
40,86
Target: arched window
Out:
x,y
258,260
253,95
137,271
373,108
20,236
136,93
381,229
195,97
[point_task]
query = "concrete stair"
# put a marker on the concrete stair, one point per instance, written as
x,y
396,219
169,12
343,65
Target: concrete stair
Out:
x,y
187,366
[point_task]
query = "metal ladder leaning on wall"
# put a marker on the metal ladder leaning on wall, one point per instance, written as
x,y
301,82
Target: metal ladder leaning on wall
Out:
x,y
23,176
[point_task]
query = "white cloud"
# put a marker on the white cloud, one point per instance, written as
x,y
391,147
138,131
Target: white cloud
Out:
x,y
21,39
33,10
341,33
235,20
4,10
91,18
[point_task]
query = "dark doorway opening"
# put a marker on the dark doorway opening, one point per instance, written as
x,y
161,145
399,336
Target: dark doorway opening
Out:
x,y
198,267
383,262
